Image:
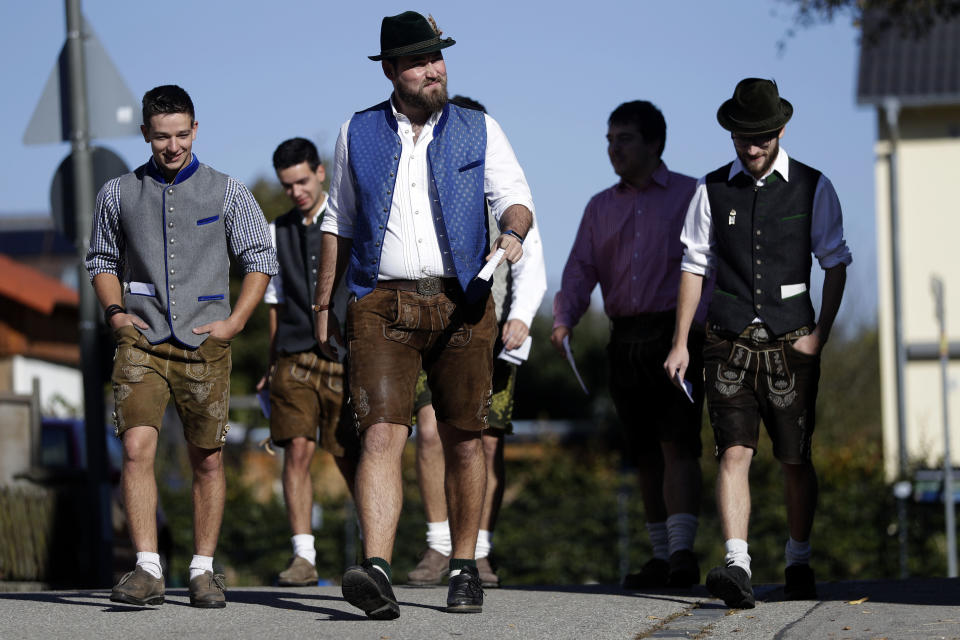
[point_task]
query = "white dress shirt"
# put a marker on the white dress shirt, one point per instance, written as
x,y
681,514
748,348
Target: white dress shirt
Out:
x,y
826,222
529,280
411,246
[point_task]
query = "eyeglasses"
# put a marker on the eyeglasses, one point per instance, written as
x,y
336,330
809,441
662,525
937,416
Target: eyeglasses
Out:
x,y
763,140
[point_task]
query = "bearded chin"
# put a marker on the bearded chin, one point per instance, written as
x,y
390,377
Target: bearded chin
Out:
x,y
432,102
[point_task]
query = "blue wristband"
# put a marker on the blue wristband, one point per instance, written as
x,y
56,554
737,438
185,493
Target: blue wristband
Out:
x,y
511,232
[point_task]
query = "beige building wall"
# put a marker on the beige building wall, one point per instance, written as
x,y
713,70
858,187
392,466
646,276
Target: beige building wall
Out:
x,y
929,218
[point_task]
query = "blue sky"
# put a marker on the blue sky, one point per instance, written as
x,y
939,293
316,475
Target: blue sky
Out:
x,y
263,72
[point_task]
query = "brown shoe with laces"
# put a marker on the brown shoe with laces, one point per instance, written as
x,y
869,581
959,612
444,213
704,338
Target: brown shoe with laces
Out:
x,y
206,591
138,587
431,570
299,573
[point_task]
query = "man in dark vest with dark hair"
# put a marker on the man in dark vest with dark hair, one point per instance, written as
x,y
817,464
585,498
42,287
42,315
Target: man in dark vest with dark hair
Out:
x,y
755,222
411,180
306,387
159,260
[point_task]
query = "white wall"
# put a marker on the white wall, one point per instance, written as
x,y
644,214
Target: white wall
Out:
x,y
61,387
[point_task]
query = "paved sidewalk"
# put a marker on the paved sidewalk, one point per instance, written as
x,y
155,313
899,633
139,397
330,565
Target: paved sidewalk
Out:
x,y
870,610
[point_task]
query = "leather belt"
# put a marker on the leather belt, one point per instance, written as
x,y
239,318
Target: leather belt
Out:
x,y
423,286
759,332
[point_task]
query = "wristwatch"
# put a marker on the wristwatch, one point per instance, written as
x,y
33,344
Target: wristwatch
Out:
x,y
317,308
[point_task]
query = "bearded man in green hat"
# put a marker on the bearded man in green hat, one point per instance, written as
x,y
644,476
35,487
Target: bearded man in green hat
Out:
x,y
412,177
755,223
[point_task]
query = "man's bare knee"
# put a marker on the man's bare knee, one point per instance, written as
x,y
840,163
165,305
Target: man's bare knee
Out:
x,y
140,446
298,453
736,456
205,461
384,439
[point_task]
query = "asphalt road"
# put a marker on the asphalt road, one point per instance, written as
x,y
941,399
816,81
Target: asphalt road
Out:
x,y
921,609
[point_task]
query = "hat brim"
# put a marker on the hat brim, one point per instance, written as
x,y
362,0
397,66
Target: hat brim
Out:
x,y
727,117
436,44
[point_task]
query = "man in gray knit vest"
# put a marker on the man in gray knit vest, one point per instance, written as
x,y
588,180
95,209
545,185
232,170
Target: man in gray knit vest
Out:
x,y
755,222
306,387
159,260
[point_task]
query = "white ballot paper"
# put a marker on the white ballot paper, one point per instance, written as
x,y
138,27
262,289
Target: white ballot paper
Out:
x,y
487,272
518,355
686,384
573,365
263,397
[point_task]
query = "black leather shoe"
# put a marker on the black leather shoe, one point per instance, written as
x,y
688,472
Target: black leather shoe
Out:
x,y
800,583
732,585
465,594
684,569
365,587
652,574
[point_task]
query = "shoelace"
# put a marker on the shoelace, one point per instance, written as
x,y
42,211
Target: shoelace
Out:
x,y
219,580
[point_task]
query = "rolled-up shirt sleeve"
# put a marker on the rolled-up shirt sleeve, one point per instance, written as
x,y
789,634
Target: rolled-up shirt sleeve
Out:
x,y
341,203
697,234
504,182
826,227
105,254
274,291
529,280
246,230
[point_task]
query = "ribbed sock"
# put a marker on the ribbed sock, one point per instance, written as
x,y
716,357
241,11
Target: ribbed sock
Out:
x,y
737,554
681,530
200,565
383,566
797,552
457,565
150,562
438,537
304,546
484,544
658,538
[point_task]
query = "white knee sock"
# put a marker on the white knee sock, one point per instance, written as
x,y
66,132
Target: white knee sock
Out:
x,y
150,562
200,565
681,530
303,546
484,544
438,537
797,552
659,539
737,554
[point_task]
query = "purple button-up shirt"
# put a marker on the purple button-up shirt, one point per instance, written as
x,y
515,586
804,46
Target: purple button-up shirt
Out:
x,y
629,242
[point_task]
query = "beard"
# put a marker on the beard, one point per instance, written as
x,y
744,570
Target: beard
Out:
x,y
430,102
759,167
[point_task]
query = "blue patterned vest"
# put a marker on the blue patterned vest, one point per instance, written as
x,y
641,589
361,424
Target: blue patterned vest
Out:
x,y
456,163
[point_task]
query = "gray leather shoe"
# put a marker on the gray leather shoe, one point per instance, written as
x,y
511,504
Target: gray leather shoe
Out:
x,y
138,587
488,577
431,570
206,591
299,573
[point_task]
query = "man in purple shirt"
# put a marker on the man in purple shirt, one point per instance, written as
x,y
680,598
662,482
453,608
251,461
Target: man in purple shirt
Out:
x,y
629,242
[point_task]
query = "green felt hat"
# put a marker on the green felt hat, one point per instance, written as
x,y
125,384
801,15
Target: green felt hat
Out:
x,y
756,107
410,34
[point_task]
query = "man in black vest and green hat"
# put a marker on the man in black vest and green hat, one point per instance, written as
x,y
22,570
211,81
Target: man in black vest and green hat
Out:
x,y
755,222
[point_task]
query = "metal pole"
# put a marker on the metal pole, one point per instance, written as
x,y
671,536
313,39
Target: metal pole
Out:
x,y
948,505
82,164
891,108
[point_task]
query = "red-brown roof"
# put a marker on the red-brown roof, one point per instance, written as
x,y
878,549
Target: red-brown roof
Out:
x,y
32,288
